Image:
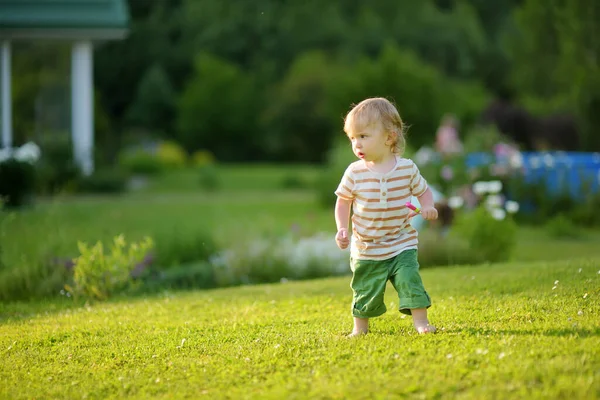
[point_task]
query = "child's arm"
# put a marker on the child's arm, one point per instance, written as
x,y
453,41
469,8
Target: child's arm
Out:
x,y
342,215
428,210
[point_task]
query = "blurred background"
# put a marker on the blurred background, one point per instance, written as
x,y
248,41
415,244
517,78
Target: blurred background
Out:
x,y
218,134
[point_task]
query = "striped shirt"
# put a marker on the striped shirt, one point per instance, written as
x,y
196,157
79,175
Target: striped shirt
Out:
x,y
380,225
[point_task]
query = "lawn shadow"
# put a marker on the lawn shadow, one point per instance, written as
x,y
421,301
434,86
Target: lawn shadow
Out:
x,y
560,332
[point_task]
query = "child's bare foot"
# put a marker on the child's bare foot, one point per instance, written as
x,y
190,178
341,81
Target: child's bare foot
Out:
x,y
424,327
357,334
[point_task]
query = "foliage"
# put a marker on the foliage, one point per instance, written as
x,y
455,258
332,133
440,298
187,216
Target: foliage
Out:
x,y
271,260
562,227
490,239
298,125
217,110
176,246
17,182
104,180
503,332
200,158
559,36
56,169
171,155
339,157
98,275
154,104
140,161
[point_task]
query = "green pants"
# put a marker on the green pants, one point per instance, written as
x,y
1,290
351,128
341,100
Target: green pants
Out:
x,y
369,278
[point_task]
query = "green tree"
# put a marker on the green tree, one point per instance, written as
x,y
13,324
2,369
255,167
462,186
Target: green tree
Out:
x,y
154,104
218,111
556,57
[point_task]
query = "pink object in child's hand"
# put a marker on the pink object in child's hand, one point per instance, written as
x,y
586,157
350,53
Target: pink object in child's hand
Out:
x,y
412,207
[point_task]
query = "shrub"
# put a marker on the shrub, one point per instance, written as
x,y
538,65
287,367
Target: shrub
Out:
x,y
103,181
436,251
17,182
188,276
338,159
97,275
562,227
271,260
201,158
490,239
141,162
171,155
177,247
57,169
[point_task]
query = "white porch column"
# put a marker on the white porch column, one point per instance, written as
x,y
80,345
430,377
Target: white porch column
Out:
x,y
82,105
6,99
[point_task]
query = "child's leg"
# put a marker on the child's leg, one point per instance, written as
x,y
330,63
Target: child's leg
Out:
x,y
421,322
413,299
361,326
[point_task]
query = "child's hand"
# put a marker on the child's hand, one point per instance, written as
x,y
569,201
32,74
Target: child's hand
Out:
x,y
341,238
429,213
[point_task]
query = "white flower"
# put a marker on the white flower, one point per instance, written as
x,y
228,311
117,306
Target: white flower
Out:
x,y
549,160
480,187
455,202
498,214
511,206
493,201
494,187
29,152
516,160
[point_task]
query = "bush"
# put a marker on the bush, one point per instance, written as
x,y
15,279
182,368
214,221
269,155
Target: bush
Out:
x,y
103,181
177,247
338,159
562,227
271,260
189,276
56,168
489,239
201,158
436,251
171,155
140,162
17,182
97,275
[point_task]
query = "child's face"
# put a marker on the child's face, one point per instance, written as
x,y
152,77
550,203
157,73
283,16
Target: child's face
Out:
x,y
371,143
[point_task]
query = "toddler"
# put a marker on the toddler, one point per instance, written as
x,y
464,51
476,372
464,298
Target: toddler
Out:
x,y
383,244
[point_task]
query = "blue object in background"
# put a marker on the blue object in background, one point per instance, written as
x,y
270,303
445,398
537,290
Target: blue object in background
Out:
x,y
573,171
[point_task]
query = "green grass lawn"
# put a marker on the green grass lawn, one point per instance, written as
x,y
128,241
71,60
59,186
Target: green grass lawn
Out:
x,y
518,330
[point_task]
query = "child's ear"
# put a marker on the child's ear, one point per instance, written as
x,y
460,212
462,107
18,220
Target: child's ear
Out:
x,y
391,138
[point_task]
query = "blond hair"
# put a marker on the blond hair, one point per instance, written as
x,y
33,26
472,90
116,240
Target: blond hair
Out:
x,y
378,110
